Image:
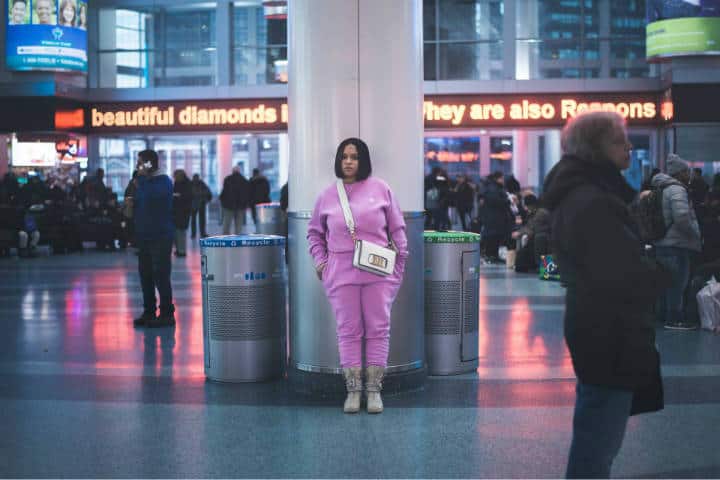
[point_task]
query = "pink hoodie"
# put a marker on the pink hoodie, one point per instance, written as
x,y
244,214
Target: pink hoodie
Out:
x,y
375,211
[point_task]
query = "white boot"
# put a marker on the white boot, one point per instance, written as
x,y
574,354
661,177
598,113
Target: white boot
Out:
x,y
353,384
373,386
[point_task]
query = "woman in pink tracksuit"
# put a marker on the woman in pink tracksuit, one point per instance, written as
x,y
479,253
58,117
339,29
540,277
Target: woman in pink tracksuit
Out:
x,y
360,300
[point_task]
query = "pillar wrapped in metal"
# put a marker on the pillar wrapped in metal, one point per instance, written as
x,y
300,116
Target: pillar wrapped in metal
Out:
x,y
452,276
243,291
346,82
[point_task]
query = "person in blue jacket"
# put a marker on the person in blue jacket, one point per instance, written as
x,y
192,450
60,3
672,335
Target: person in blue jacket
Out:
x,y
154,234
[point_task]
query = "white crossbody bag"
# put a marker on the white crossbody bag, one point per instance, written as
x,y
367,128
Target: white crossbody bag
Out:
x,y
367,256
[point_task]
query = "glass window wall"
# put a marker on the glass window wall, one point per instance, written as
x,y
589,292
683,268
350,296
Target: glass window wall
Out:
x,y
157,46
259,43
580,39
463,39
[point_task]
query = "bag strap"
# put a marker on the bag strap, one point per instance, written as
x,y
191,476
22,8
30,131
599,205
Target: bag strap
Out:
x,y
345,204
347,213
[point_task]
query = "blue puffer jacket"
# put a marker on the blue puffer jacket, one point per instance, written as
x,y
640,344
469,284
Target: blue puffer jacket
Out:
x,y
153,208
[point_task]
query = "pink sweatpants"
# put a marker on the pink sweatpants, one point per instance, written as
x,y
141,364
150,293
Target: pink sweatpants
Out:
x,y
363,311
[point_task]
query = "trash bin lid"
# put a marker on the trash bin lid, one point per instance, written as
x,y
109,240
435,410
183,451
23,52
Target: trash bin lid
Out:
x,y
249,240
432,236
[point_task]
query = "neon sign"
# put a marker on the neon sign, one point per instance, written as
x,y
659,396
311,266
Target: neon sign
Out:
x,y
548,110
439,111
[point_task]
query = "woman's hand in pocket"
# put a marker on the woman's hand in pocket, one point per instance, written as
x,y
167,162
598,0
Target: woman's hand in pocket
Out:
x,y
319,271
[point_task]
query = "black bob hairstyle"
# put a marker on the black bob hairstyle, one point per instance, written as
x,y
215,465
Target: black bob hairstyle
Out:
x,y
364,165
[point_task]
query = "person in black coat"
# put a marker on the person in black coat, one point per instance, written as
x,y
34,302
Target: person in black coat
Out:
x,y
182,209
497,218
611,287
235,199
201,196
464,196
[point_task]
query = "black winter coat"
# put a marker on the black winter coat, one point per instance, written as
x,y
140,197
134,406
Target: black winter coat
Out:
x,y
497,217
235,194
182,204
260,188
611,285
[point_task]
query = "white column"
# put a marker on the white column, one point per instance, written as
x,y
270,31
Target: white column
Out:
x,y
390,94
355,70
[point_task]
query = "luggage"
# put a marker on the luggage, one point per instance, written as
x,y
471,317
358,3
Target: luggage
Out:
x,y
709,306
548,268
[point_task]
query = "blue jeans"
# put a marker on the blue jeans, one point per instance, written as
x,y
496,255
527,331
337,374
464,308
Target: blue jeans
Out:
x,y
155,266
670,303
601,414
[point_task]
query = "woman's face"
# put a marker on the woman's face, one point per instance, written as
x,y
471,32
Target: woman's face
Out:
x,y
350,162
44,11
618,148
68,13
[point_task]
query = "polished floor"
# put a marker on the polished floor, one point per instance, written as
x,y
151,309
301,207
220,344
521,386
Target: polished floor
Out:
x,y
83,394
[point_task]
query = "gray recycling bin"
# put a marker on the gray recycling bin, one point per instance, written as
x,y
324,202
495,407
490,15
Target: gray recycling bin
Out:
x,y
243,292
270,219
452,284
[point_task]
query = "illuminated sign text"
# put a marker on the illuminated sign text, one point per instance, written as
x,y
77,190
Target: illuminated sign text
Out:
x,y
439,111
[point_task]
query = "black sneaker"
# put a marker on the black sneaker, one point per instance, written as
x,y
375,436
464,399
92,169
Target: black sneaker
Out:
x,y
165,319
144,319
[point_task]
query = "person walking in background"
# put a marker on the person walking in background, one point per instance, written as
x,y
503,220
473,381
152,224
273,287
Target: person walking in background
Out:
x,y
129,207
496,216
681,241
154,231
201,196
361,300
611,286
260,192
440,192
698,188
432,198
512,186
182,209
234,199
464,196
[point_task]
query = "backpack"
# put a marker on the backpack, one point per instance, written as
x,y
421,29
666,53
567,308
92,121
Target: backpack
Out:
x,y
648,214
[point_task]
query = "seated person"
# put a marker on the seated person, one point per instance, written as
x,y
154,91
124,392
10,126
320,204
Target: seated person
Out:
x,y
533,238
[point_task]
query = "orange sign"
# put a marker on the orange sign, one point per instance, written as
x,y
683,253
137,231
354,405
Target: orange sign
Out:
x,y
551,109
183,116
66,120
439,111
